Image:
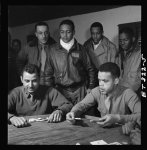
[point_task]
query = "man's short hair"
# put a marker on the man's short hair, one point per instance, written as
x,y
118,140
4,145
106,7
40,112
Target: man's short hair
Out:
x,y
31,68
111,67
97,24
128,31
41,24
68,22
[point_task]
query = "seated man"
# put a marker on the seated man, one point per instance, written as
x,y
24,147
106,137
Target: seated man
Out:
x,y
34,99
117,104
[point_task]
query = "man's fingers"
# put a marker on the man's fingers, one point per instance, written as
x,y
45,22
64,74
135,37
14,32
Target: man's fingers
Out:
x,y
50,118
54,117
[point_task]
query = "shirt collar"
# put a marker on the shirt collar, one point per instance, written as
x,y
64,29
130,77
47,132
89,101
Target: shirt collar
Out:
x,y
27,94
74,45
68,45
42,45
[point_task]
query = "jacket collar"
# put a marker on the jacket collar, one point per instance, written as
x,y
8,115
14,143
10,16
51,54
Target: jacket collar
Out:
x,y
75,46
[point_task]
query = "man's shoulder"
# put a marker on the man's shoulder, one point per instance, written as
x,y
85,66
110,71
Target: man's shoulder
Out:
x,y
51,41
88,42
54,46
28,47
95,90
108,42
137,49
127,92
16,91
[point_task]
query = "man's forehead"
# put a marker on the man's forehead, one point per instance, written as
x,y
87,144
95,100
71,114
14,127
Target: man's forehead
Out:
x,y
98,29
29,75
104,74
42,28
124,35
65,26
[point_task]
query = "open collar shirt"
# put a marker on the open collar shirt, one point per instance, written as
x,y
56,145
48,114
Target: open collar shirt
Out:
x,y
123,101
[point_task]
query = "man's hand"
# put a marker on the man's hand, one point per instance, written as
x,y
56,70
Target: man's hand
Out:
x,y
108,120
135,136
70,117
127,127
56,116
19,121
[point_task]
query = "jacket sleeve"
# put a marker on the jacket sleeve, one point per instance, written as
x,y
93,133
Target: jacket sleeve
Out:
x,y
58,101
91,69
134,105
113,52
133,77
21,59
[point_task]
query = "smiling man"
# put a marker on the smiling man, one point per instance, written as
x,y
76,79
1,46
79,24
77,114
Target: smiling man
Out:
x,y
68,66
117,104
34,99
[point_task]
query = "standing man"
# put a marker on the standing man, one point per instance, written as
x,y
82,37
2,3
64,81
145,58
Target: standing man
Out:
x,y
35,51
34,99
99,47
68,66
130,54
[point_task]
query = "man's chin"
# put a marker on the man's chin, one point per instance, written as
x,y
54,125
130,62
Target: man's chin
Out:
x,y
102,91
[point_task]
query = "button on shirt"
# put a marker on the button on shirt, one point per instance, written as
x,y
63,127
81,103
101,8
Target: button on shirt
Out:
x,y
123,101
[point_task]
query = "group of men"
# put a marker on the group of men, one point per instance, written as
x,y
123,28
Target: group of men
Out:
x,y
66,79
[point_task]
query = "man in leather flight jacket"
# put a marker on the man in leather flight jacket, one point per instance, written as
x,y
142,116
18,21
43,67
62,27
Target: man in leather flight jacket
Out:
x,y
68,67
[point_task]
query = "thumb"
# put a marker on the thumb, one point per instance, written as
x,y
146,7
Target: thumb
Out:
x,y
103,118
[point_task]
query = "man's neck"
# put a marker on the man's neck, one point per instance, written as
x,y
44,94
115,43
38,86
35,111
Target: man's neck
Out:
x,y
112,91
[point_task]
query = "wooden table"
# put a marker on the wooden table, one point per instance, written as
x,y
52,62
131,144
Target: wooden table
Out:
x,y
63,133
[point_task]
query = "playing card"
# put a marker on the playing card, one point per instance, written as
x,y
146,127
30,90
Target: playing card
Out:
x,y
99,142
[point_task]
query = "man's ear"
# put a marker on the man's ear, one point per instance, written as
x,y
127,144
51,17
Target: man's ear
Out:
x,y
116,81
133,39
35,34
74,32
21,79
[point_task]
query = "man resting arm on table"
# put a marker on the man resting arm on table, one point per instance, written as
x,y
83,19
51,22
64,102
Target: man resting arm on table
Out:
x,y
117,104
34,99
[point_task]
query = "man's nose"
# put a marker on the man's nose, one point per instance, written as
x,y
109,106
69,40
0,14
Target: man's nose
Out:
x,y
122,42
43,35
100,83
30,84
